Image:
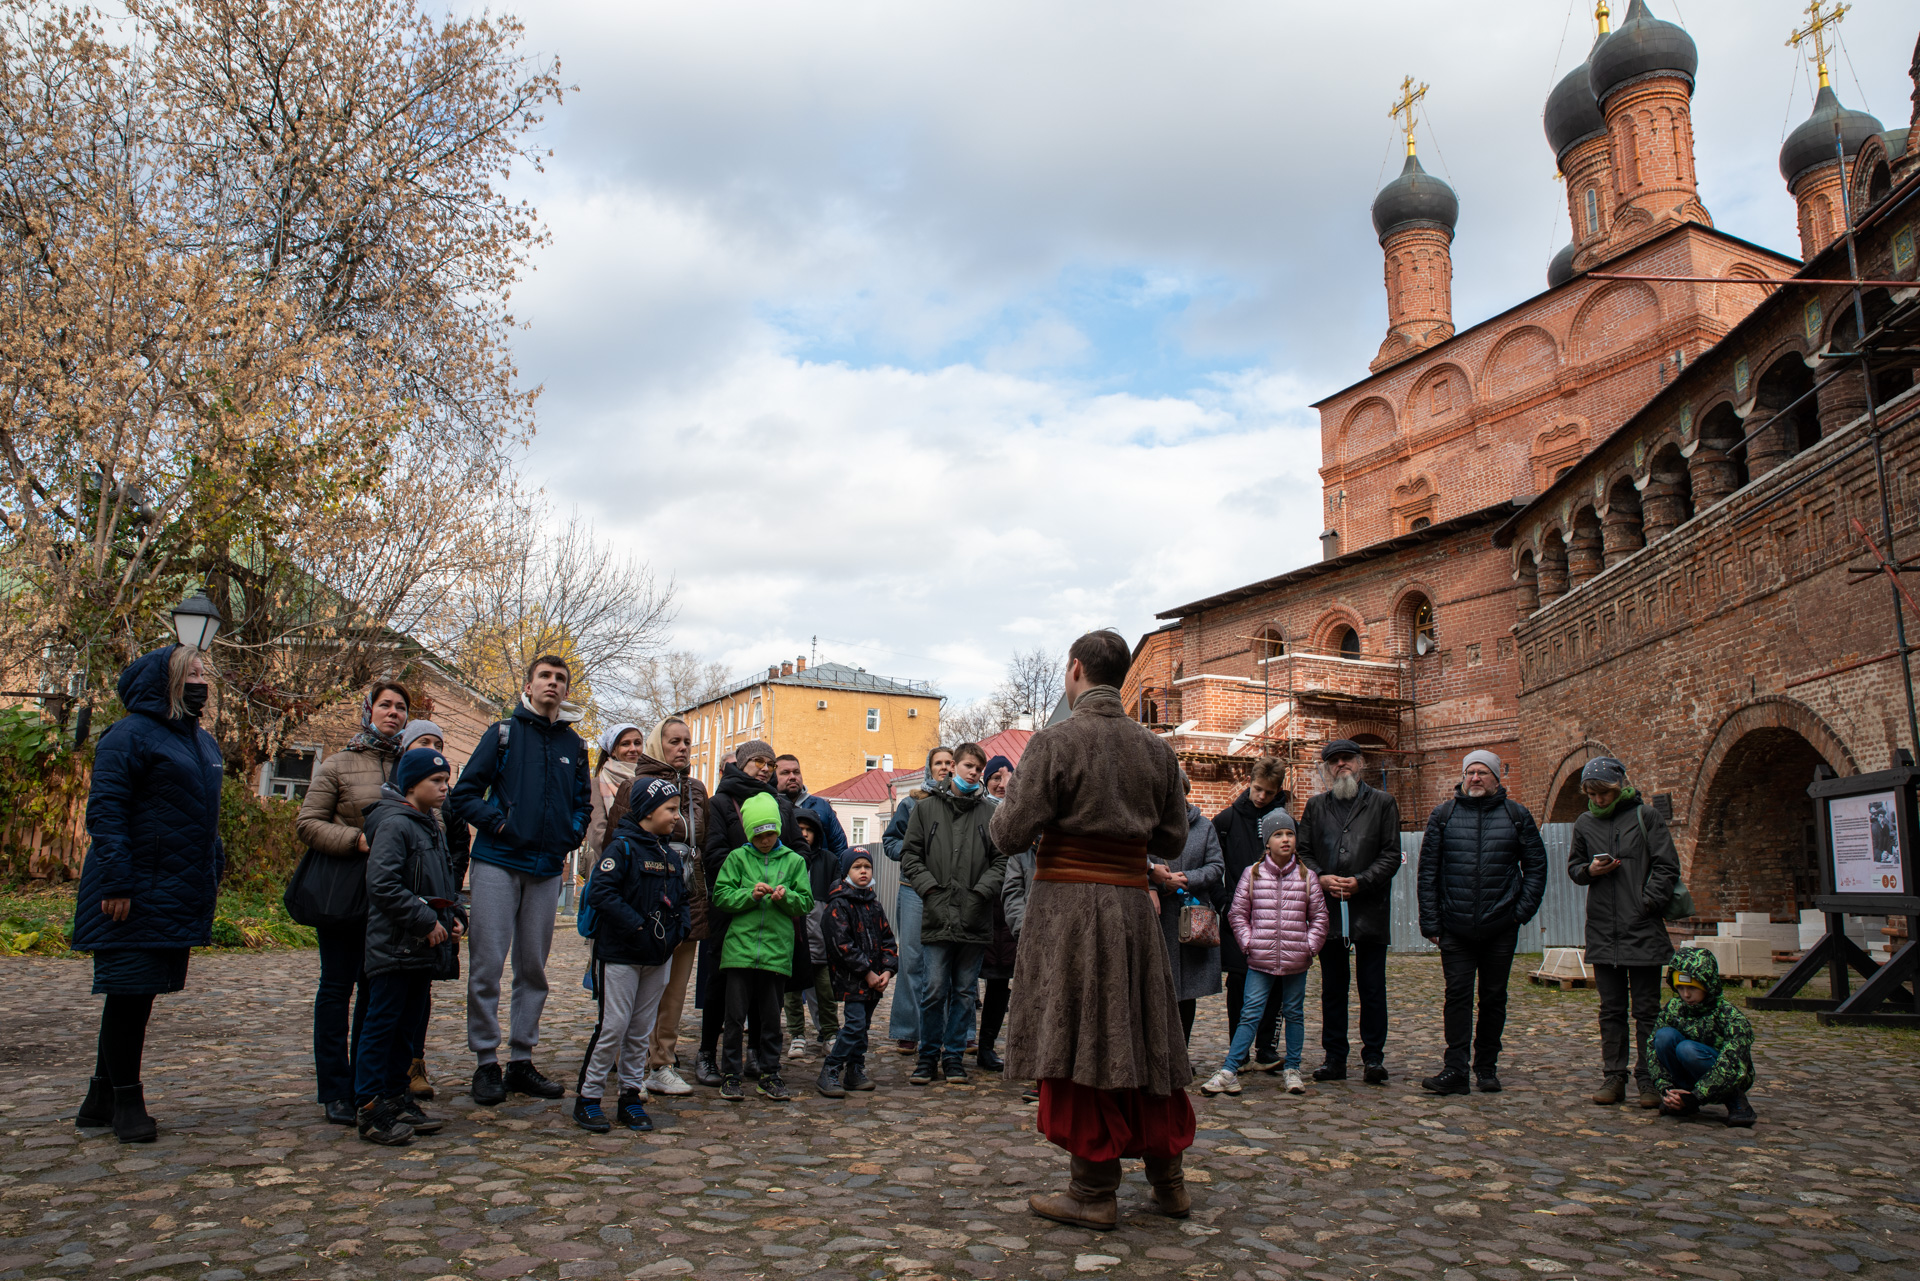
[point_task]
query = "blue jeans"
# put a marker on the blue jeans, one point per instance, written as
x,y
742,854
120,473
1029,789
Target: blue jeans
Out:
x,y
1260,989
1684,1061
396,1002
910,982
851,1045
946,1005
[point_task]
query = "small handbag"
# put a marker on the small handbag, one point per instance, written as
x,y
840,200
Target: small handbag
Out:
x,y
1199,923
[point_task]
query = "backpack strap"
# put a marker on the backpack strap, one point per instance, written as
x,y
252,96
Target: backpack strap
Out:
x,y
1446,811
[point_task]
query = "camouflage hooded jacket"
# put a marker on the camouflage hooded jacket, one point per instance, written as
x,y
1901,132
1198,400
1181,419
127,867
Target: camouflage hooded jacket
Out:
x,y
1713,1022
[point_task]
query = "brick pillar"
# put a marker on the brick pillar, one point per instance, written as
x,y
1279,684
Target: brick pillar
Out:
x,y
1714,474
1664,503
1843,400
1552,577
1583,550
1526,597
1769,449
1621,535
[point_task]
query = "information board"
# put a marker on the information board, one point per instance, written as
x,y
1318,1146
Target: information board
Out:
x,y
1864,837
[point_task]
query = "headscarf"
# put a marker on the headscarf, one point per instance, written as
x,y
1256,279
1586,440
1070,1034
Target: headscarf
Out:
x,y
610,736
372,740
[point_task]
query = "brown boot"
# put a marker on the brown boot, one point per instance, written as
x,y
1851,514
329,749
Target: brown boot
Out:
x,y
1614,1091
1169,1191
417,1083
1649,1096
1088,1201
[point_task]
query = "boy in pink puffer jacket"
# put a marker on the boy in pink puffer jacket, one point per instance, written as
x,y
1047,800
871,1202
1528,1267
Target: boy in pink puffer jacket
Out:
x,y
1280,916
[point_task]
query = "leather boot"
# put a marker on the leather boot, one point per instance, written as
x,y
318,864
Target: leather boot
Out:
x,y
131,1124
96,1110
419,1084
1089,1200
1169,1191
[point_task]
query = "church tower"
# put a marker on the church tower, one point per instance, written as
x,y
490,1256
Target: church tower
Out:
x,y
1577,132
1810,160
1642,79
1414,216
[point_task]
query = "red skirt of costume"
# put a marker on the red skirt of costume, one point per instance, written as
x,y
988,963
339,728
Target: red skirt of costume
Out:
x,y
1104,1125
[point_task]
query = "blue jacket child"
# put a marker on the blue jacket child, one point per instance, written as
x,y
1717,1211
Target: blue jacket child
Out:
x,y
638,893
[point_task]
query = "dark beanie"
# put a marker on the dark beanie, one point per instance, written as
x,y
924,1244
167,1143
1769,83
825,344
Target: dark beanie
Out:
x,y
644,801
420,763
1605,770
994,766
854,854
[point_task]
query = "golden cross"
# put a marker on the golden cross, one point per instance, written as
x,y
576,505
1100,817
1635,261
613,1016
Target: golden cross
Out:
x,y
1409,99
1816,31
1602,14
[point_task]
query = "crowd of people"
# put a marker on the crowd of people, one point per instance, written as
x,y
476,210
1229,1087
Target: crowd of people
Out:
x,y
1093,900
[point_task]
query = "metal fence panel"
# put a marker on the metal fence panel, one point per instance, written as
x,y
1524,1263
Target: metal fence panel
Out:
x,y
886,883
1561,921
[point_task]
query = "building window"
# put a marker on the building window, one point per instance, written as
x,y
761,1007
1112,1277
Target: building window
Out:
x,y
1348,643
1418,523
873,762
291,771
756,713
857,831
873,718
1593,212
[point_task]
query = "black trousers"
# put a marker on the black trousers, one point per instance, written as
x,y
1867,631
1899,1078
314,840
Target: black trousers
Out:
x,y
123,1038
754,1000
1621,986
339,1009
993,1010
1487,963
1368,970
1265,1037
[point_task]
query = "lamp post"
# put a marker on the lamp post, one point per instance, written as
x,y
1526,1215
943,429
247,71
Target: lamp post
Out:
x,y
196,621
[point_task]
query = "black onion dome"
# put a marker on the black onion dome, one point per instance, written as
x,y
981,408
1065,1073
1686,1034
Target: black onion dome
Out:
x,y
1643,45
1811,145
1897,141
1560,270
1572,114
1415,196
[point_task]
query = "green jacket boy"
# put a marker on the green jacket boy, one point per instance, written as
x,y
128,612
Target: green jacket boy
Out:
x,y
761,936
1688,1030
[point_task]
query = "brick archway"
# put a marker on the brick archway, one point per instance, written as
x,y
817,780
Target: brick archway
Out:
x,y
1563,801
1749,822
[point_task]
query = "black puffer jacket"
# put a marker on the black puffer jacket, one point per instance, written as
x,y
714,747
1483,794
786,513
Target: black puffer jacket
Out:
x,y
1626,921
638,894
726,833
1239,829
407,865
1361,840
1483,867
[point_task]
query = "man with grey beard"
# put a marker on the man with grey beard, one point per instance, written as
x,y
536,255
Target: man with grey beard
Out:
x,y
1483,870
1350,837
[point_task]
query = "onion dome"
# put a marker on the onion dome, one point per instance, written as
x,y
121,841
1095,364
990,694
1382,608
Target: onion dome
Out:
x,y
1642,46
1415,196
1572,114
1811,145
1560,270
1897,141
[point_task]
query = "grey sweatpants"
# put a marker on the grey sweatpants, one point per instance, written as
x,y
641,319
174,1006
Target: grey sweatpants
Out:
x,y
629,997
511,911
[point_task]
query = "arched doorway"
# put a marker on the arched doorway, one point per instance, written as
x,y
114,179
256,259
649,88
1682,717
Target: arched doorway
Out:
x,y
1754,844
1568,803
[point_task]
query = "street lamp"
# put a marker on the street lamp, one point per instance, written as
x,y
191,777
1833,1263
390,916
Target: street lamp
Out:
x,y
196,621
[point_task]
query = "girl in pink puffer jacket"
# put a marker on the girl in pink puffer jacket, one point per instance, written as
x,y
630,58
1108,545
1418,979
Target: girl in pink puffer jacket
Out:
x,y
1280,918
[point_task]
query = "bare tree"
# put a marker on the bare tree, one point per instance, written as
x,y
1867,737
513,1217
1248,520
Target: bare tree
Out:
x,y
561,592
672,683
972,722
1034,682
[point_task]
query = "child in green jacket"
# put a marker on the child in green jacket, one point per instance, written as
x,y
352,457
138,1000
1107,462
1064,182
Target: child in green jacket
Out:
x,y
764,887
1702,1048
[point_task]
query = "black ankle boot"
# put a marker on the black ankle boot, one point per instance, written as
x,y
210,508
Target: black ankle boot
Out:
x,y
131,1124
96,1110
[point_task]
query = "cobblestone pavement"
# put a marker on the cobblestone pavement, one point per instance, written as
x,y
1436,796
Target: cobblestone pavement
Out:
x,y
1347,1181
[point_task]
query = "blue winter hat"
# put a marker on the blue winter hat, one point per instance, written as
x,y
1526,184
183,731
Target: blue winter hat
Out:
x,y
421,763
854,854
1607,771
643,801
994,766
1275,820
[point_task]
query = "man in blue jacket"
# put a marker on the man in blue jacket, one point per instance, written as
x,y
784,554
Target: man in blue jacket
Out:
x,y
526,791
787,782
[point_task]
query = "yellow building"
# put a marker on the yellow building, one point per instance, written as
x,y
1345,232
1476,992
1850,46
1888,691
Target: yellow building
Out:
x,y
840,721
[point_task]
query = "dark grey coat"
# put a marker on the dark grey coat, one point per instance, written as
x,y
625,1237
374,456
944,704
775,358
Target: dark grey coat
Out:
x,y
1196,970
1361,840
1625,908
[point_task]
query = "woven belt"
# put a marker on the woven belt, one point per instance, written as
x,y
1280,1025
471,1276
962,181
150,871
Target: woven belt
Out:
x,y
1090,860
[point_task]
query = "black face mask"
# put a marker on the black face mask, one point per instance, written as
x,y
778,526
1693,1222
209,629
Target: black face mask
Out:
x,y
194,695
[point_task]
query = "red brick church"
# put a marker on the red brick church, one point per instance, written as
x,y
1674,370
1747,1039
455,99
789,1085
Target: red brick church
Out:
x,y
1403,636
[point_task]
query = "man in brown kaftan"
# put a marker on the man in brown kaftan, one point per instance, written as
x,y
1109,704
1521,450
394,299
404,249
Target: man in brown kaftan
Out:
x,y
1097,1022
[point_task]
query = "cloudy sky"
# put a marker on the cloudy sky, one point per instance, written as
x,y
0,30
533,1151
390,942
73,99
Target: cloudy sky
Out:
x,y
937,330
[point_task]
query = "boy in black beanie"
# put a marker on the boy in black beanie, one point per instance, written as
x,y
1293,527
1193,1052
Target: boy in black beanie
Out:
x,y
638,894
863,958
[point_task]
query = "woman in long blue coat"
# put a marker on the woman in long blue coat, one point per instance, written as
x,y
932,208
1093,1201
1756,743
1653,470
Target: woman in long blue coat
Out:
x,y
152,871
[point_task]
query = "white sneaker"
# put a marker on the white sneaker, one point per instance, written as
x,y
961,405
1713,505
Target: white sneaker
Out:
x,y
1222,1082
664,1080
798,1050
1294,1084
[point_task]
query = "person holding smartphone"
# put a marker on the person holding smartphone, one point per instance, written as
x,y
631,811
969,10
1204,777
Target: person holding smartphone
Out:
x,y
1622,851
